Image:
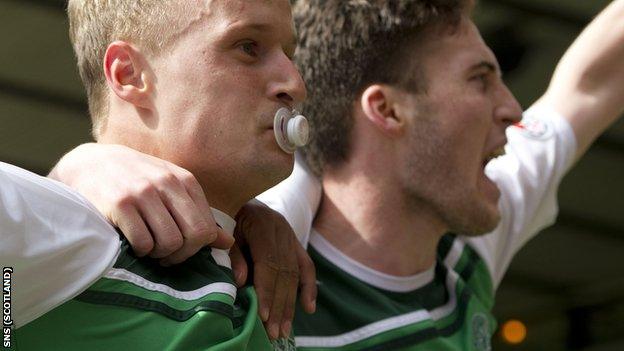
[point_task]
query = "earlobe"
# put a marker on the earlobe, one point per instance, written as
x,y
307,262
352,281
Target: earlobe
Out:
x,y
125,71
378,105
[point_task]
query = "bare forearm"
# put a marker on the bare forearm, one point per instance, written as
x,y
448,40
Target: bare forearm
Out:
x,y
588,85
69,161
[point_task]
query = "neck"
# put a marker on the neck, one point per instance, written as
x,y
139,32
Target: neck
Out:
x,y
226,195
224,188
366,218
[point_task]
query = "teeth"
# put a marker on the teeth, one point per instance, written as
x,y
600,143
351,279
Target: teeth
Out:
x,y
496,153
499,152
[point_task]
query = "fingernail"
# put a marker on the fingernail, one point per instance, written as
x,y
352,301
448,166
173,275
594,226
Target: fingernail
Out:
x,y
239,279
286,329
313,306
264,314
274,331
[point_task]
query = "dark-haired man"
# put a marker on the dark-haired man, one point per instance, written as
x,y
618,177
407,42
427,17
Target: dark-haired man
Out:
x,y
409,111
409,114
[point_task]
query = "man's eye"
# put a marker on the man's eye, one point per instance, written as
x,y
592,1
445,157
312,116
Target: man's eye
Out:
x,y
250,48
481,79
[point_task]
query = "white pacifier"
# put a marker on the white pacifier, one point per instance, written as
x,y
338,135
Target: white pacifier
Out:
x,y
291,130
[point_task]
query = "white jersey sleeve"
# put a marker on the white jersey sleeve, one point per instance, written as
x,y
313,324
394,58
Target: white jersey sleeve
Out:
x,y
55,241
540,150
297,198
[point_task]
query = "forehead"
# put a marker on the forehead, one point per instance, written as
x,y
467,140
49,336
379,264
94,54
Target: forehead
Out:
x,y
456,50
243,12
261,7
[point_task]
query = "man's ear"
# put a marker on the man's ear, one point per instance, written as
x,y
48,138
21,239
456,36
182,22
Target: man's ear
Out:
x,y
127,74
377,103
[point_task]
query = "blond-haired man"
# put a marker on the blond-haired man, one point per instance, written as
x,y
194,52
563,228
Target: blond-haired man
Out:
x,y
198,84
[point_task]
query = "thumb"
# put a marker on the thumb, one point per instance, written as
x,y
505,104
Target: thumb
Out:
x,y
239,265
222,240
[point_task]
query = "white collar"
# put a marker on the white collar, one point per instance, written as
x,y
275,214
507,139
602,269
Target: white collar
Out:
x,y
366,274
226,222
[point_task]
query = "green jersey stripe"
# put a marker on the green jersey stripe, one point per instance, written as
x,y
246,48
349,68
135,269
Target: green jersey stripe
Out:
x,y
218,287
444,246
455,254
430,296
429,333
125,300
387,324
183,277
471,264
123,287
455,310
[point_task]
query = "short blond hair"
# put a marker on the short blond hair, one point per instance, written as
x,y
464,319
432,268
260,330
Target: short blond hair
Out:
x,y
94,24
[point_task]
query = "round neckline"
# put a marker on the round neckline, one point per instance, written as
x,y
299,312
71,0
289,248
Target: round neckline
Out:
x,y
366,274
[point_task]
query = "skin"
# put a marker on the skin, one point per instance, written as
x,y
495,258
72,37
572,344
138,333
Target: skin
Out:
x,y
237,72
462,130
423,156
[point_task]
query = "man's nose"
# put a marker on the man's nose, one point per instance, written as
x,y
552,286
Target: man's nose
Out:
x,y
508,111
289,87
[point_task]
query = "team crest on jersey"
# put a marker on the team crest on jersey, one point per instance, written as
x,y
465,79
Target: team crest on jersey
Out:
x,y
535,128
481,332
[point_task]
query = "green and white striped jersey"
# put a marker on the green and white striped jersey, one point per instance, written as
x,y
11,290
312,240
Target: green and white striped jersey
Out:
x,y
140,304
445,308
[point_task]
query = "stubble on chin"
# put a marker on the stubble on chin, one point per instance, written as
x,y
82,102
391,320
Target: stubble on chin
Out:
x,y
474,220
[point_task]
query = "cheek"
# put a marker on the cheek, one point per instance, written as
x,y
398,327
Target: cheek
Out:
x,y
469,121
462,146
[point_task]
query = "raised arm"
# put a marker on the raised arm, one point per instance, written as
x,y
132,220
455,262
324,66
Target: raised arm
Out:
x,y
587,87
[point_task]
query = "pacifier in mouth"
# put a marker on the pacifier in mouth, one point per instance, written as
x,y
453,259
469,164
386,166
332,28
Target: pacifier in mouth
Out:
x,y
291,130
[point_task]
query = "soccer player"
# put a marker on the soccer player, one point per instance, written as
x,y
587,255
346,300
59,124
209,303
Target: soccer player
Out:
x,y
409,117
196,83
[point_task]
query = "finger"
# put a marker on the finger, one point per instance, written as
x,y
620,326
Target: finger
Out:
x,y
265,274
195,230
217,238
166,235
265,262
134,229
195,191
288,279
239,265
280,295
223,240
287,263
289,304
307,280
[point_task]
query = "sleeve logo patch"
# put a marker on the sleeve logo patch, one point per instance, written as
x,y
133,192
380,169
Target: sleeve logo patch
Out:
x,y
535,128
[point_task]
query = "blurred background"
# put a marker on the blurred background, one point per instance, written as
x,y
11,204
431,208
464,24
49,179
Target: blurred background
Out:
x,y
566,287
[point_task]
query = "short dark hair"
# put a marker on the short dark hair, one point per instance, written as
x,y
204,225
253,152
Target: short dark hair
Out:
x,y
347,45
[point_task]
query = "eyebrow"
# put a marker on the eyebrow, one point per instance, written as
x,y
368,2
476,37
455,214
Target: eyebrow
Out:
x,y
261,27
489,66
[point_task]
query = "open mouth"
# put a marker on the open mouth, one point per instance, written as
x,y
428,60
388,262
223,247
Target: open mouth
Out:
x,y
500,151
